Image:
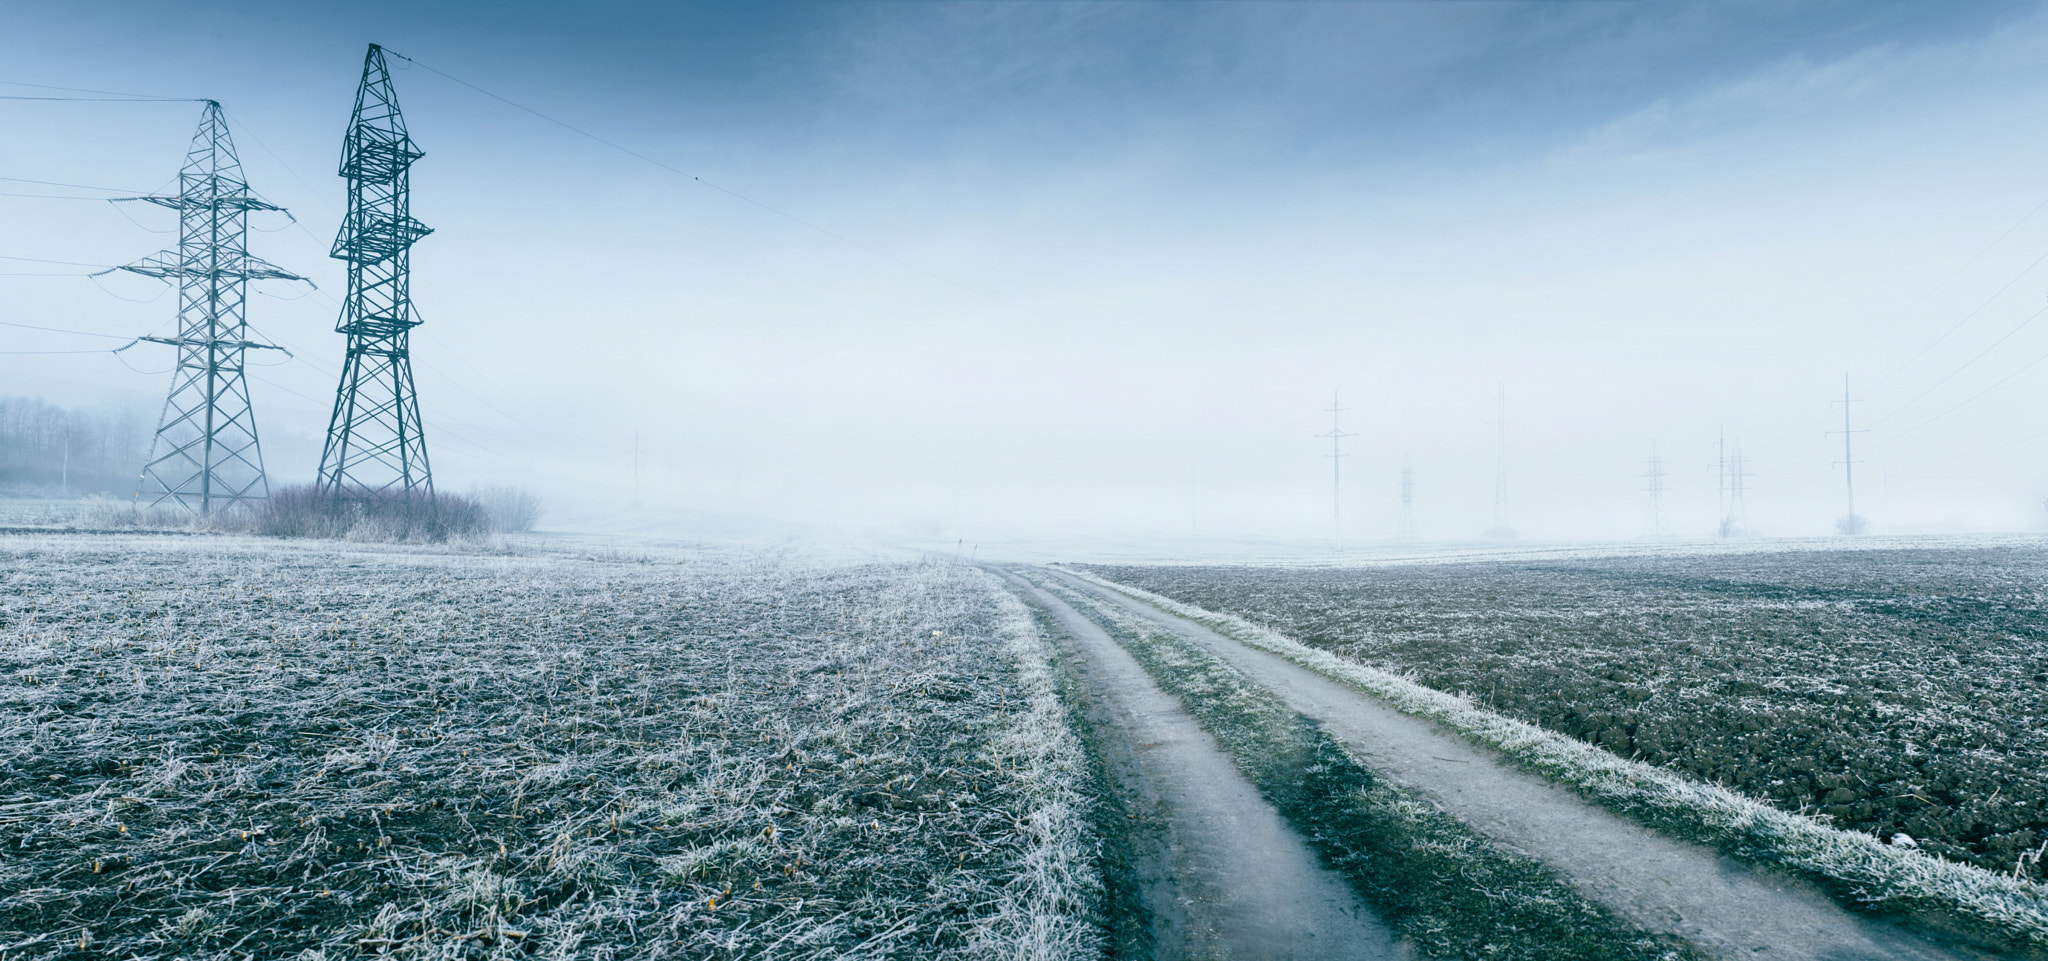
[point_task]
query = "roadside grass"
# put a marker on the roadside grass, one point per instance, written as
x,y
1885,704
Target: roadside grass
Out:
x,y
228,747
1439,884
1124,918
1857,869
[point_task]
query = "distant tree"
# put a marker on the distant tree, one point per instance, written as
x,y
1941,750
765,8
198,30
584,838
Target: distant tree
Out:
x,y
52,451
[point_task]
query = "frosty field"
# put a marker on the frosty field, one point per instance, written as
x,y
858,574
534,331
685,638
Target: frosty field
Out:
x,y
224,747
221,747
1895,691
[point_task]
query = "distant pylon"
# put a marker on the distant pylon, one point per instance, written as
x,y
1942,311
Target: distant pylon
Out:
x,y
1407,530
1850,523
1336,434
1501,528
1660,526
1737,522
1723,526
375,440
205,454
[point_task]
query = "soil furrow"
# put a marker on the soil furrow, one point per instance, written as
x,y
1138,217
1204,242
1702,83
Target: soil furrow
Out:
x,y
1222,874
1724,907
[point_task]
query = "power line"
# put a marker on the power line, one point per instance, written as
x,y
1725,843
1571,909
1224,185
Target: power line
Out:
x,y
18,353
109,93
54,183
1966,364
60,330
287,169
736,195
1973,398
62,263
1910,361
1979,255
103,99
452,352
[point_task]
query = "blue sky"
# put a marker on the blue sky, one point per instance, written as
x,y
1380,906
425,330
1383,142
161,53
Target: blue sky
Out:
x,y
1107,261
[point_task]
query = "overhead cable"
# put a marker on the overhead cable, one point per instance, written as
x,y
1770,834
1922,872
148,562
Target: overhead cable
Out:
x,y
736,195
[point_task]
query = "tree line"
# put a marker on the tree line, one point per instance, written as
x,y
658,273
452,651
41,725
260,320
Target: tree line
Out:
x,y
46,449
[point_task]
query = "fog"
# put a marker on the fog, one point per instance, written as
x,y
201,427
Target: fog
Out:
x,y
1046,270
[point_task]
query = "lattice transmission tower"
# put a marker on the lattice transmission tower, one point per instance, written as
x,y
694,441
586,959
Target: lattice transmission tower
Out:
x,y
1653,476
1851,523
1406,531
1737,522
206,455
1336,434
374,440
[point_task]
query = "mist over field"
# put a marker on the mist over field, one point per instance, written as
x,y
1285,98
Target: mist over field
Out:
x,y
1053,481
1001,272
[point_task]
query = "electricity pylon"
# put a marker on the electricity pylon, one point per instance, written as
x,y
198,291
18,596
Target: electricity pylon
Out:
x,y
1501,528
1737,522
374,439
1406,531
1660,526
205,455
1336,434
1724,525
1850,523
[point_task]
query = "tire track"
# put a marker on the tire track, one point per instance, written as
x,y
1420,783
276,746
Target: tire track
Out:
x,y
1222,874
1724,907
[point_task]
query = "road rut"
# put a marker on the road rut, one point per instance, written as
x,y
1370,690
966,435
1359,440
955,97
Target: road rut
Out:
x,y
1223,875
1725,907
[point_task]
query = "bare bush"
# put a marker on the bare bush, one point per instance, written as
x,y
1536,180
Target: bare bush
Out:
x,y
388,516
107,514
513,510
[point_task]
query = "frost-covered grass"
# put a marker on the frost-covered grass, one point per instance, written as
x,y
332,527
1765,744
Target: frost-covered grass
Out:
x,y
1857,867
1895,691
225,747
1440,884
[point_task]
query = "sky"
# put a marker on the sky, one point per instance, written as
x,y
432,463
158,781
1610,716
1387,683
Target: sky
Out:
x,y
952,271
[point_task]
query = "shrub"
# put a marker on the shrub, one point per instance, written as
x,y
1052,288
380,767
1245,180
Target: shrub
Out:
x,y
512,510
394,516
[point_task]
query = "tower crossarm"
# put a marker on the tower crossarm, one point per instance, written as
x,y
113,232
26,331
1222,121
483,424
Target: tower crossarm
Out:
x,y
216,344
221,202
167,265
375,155
370,236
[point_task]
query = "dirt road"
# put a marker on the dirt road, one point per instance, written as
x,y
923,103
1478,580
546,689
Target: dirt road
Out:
x,y
1221,873
1724,907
